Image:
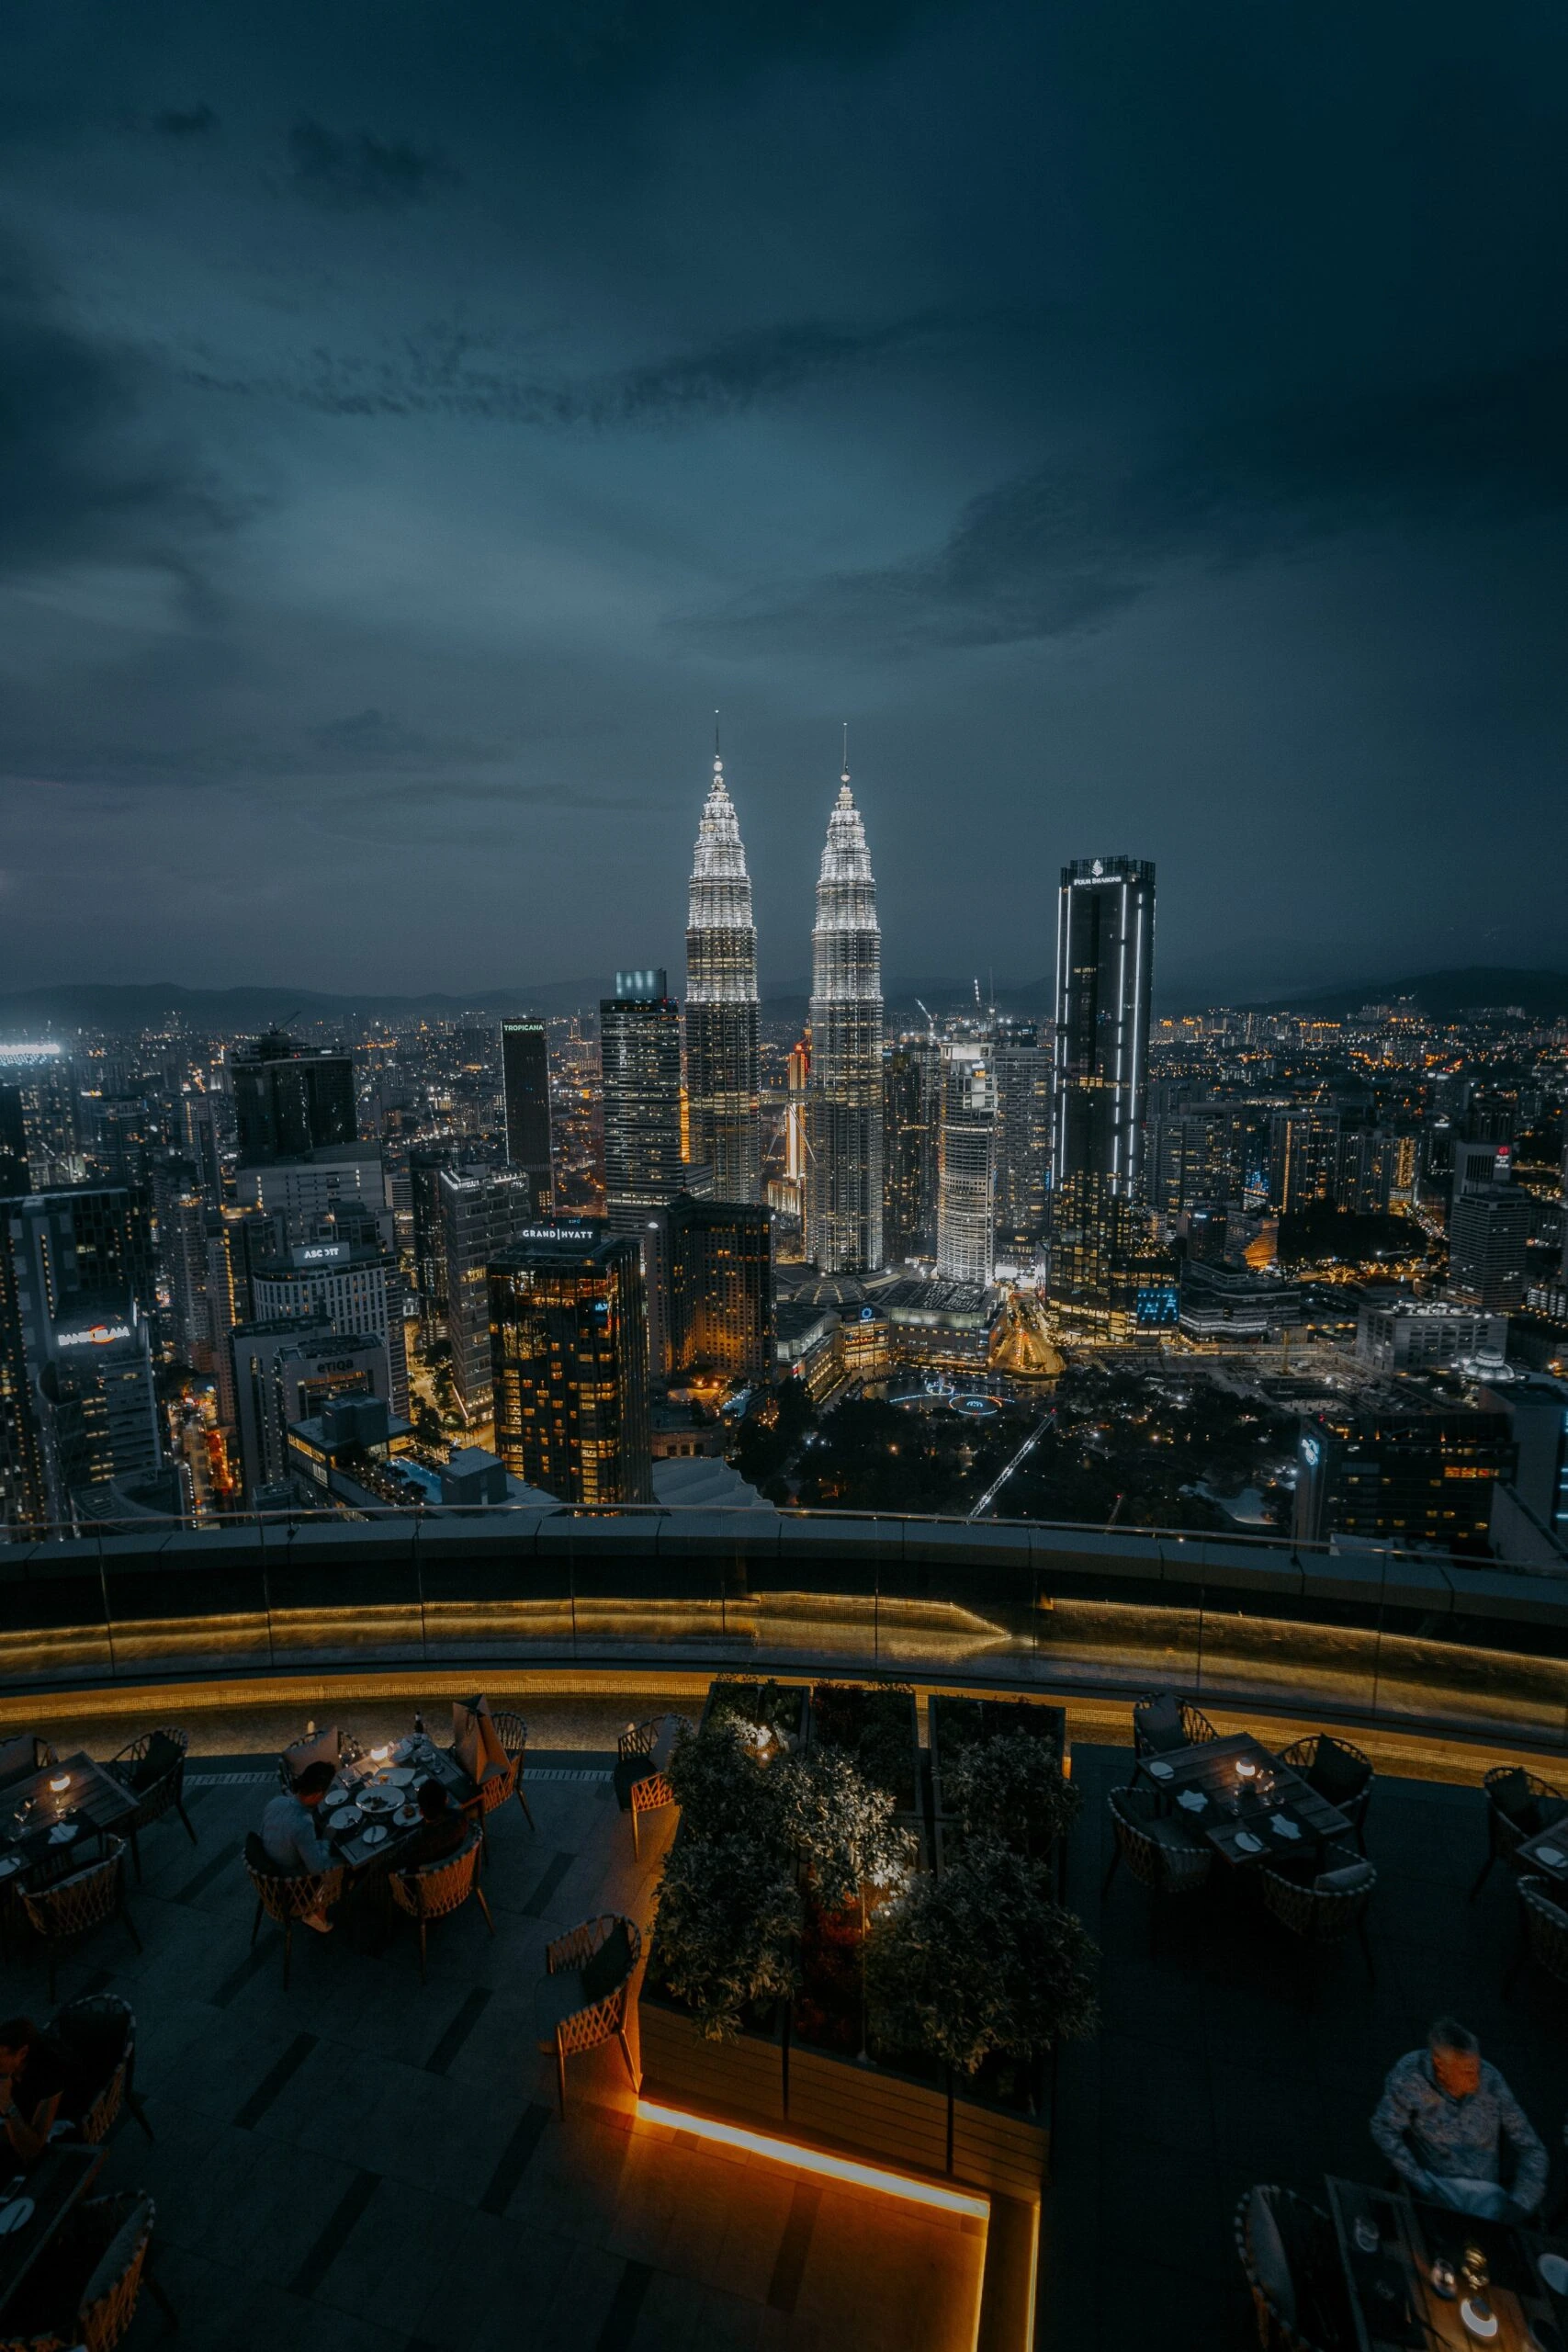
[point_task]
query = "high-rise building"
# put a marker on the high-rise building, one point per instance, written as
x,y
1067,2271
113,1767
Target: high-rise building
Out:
x,y
1021,1068
844,1128
426,1165
1402,1478
720,1286
526,1083
1489,1231
723,1079
639,1045
307,1186
355,1283
483,1210
1102,1263
569,1364
911,1119
285,1370
291,1098
15,1167
180,1207
37,1126
966,1176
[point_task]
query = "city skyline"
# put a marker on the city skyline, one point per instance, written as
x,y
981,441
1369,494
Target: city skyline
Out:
x,y
1158,450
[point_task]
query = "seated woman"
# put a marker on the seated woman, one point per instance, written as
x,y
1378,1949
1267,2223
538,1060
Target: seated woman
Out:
x,y
40,2086
443,1827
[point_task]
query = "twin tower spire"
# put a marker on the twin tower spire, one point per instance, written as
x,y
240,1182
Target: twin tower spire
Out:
x,y
843,1111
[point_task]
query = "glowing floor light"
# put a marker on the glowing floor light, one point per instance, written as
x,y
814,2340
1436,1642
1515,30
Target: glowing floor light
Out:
x,y
844,2168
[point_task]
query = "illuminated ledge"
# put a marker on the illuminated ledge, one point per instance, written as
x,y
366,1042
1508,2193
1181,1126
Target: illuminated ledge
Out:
x,y
818,2160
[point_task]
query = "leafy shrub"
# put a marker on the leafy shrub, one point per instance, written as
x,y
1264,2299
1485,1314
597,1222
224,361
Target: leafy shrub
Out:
x,y
722,1785
727,1923
872,1723
842,1826
1012,1788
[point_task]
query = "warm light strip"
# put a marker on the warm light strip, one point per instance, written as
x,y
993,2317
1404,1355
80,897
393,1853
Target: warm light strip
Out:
x,y
789,2152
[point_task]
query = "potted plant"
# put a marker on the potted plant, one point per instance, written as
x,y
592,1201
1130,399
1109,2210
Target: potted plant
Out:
x,y
1012,1788
841,1828
727,1925
978,1962
873,1723
723,1784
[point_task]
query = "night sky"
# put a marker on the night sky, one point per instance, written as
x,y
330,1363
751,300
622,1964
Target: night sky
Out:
x,y
1146,421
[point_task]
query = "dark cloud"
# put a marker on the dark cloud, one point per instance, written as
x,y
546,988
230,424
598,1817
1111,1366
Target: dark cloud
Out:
x,y
185,122
361,173
81,477
1070,545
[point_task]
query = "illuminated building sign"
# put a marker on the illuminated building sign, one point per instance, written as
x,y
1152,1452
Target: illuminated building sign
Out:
x,y
320,1253
560,1233
1312,1453
100,1335
1156,1304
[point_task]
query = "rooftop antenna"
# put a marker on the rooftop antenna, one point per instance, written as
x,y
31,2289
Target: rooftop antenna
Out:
x,y
718,763
844,775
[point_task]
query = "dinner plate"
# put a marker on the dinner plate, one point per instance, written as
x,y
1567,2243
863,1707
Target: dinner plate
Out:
x,y
400,1777
375,1834
1246,1843
15,2215
1161,1771
1554,2271
63,1833
1550,1856
406,1815
9,1864
345,1817
379,1800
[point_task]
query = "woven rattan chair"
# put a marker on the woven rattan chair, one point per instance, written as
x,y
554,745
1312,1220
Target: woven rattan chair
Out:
x,y
1287,2249
495,1790
1543,1931
1340,1773
1518,1803
153,1768
1318,1911
436,1888
285,1897
82,1900
108,2246
649,1790
575,2010
1163,1723
99,2030
23,1753
1155,1848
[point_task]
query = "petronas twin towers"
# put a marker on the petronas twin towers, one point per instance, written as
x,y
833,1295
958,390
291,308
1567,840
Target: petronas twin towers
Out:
x,y
843,1113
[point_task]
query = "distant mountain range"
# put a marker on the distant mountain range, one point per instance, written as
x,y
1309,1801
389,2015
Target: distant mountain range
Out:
x,y
127,1009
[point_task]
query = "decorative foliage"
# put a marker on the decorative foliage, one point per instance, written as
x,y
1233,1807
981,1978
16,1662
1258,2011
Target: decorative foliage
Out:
x,y
728,1919
872,1723
722,1784
764,1705
842,1828
1012,1788
979,1960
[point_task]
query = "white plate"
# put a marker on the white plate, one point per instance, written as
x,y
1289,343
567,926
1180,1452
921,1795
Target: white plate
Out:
x,y
1161,1771
1284,1825
15,2215
374,1835
406,1815
345,1817
1554,2271
400,1777
1246,1843
1550,1856
63,1833
9,1865
1193,1799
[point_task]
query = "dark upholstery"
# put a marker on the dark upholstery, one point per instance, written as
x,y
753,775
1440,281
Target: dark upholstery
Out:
x,y
609,1966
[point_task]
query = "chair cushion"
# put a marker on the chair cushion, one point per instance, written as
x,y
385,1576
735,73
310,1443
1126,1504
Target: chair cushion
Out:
x,y
1269,2259
1510,1792
1335,1772
163,1755
18,1757
115,2259
609,1965
628,1772
1349,1880
1549,1811
1159,1723
556,1998
1165,1831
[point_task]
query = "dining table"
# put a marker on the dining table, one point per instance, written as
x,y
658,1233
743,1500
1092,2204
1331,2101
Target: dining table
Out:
x,y
370,1810
1236,1797
35,2205
46,1816
1424,2278
1546,1854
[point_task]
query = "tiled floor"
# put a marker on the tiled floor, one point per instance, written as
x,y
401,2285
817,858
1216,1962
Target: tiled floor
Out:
x,y
367,2165
1221,2062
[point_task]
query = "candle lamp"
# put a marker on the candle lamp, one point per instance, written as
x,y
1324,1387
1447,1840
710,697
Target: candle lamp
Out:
x,y
1245,1769
61,1784
380,1754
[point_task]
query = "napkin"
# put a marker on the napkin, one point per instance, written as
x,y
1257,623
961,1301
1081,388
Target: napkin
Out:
x,y
1281,1823
1193,1799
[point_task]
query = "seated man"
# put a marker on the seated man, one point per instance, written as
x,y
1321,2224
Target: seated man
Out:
x,y
1442,2121
40,2086
443,1829
289,1834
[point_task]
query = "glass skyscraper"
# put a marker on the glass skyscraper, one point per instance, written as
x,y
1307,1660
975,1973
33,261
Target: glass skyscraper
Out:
x,y
639,1041
723,1082
526,1083
569,1341
1099,1240
844,1130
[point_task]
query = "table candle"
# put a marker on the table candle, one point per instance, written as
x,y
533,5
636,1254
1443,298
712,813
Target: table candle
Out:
x,y
61,1784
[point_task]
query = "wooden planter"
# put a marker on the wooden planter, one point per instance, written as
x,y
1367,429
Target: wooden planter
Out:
x,y
801,1691
996,1715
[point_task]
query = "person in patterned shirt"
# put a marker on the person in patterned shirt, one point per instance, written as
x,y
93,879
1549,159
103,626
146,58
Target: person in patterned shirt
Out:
x,y
1443,2121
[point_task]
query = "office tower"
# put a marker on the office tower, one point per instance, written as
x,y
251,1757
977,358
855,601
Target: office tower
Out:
x,y
911,1119
179,1204
569,1343
483,1211
966,1166
354,1284
1100,1254
38,1124
291,1098
425,1167
284,1371
844,1131
1489,1231
1021,1068
239,1242
77,1403
525,1085
723,1081
1404,1479
1304,1157
1196,1154
720,1285
15,1167
639,1046
310,1185
206,1119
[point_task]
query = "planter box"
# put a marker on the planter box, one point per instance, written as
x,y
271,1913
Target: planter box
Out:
x,y
995,1715
906,1796
868,2110
799,1691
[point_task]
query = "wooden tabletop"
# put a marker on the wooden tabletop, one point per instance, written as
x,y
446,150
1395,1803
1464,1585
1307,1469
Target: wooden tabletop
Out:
x,y
95,1801
1393,2301
60,2176
1547,1852
1237,1803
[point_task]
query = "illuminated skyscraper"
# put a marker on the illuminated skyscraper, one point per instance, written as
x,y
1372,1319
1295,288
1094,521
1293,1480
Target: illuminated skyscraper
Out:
x,y
844,1131
723,1086
911,1096
569,1339
639,1032
526,1081
966,1183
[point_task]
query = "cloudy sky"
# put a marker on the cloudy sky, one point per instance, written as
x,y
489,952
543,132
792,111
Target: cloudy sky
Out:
x,y
1143,419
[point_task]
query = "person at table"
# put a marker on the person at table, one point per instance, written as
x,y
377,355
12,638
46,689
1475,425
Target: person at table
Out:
x,y
443,1827
1447,2120
288,1835
40,2086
